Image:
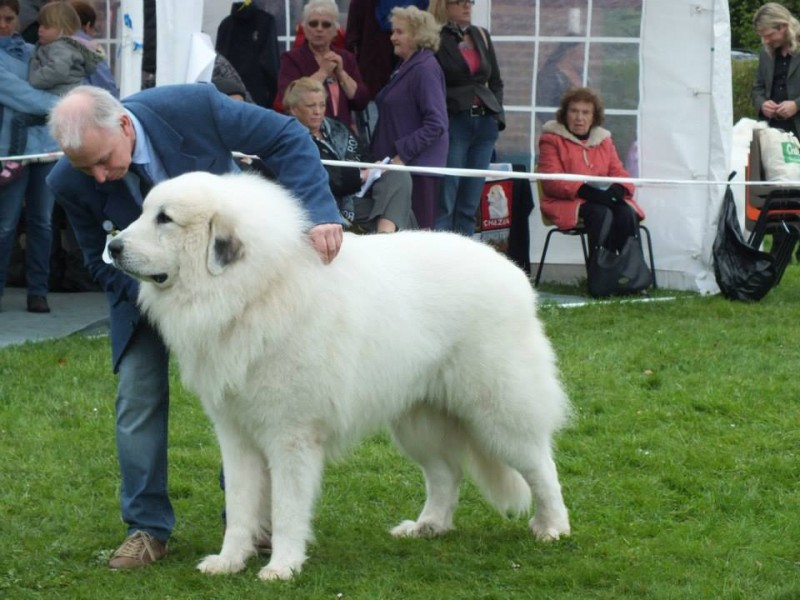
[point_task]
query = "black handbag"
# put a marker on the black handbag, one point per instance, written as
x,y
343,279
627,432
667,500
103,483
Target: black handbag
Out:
x,y
612,274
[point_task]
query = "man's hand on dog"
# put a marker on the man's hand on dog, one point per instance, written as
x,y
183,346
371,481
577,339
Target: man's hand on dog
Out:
x,y
327,239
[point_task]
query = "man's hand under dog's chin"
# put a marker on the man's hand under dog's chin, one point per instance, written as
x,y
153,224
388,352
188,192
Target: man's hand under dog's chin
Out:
x,y
327,239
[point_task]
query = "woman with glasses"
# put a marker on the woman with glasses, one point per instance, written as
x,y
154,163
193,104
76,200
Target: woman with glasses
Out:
x,y
335,68
474,108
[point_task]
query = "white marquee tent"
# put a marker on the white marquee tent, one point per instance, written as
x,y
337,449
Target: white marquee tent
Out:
x,y
682,112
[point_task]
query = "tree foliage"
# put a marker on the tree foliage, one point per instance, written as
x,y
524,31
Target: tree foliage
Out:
x,y
743,73
742,33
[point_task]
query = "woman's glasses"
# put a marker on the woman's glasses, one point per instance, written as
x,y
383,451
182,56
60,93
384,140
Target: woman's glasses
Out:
x,y
462,2
325,24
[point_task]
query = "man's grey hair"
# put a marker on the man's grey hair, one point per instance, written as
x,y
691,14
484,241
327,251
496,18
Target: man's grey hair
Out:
x,y
83,108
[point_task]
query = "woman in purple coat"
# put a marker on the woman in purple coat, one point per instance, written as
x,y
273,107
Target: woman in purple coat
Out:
x,y
412,110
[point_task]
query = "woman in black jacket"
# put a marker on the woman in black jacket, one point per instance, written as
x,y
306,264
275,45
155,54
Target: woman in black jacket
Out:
x,y
474,107
385,206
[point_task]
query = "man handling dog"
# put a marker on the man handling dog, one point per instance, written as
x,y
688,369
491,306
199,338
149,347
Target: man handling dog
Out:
x,y
114,152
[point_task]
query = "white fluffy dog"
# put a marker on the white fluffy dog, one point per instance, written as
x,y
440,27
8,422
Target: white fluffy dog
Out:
x,y
432,334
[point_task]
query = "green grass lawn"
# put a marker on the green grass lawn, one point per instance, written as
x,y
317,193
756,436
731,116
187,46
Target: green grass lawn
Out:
x,y
680,470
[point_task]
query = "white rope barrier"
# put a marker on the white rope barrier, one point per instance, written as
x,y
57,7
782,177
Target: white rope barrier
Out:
x,y
484,173
494,174
44,157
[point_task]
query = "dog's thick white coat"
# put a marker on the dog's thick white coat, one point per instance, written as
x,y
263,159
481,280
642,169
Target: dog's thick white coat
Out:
x,y
432,334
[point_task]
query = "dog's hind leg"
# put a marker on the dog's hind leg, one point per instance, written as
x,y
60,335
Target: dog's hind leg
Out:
x,y
296,460
437,443
551,519
525,449
535,462
528,406
245,481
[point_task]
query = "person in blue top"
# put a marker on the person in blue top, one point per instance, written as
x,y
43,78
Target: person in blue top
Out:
x,y
61,61
112,152
102,77
18,96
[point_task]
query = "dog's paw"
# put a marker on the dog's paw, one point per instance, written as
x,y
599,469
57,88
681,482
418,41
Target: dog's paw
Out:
x,y
278,572
549,532
215,564
423,529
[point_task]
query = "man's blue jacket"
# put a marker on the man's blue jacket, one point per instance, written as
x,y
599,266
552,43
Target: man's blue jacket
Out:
x,y
191,127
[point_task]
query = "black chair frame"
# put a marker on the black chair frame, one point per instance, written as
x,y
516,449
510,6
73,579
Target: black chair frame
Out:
x,y
776,213
776,216
581,231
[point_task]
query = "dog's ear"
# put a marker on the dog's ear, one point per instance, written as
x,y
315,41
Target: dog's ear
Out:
x,y
224,248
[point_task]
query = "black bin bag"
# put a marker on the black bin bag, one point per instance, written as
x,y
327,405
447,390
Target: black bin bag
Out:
x,y
742,271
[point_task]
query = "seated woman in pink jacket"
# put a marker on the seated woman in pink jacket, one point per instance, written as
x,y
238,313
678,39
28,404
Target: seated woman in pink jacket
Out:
x,y
576,143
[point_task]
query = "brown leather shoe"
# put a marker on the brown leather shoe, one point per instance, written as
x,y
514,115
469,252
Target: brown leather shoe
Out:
x,y
38,304
138,550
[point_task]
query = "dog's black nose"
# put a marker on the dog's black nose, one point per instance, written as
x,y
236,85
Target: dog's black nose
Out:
x,y
115,248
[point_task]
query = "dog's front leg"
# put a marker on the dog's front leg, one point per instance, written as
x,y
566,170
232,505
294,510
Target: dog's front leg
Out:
x,y
296,464
246,472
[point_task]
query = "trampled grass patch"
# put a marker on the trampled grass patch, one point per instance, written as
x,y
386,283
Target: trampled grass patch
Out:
x,y
680,469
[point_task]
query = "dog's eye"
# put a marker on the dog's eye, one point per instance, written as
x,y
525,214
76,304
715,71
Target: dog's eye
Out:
x,y
163,218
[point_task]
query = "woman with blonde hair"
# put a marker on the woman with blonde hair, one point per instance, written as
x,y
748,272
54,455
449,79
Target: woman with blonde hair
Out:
x,y
776,90
386,206
412,114
336,68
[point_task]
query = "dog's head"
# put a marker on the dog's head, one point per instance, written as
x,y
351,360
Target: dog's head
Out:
x,y
498,202
199,225
179,218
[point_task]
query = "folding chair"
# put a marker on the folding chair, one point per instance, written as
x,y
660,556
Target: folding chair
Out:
x,y
779,214
770,210
579,230
779,209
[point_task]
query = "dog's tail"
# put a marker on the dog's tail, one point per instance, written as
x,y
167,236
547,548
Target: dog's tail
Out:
x,y
503,487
